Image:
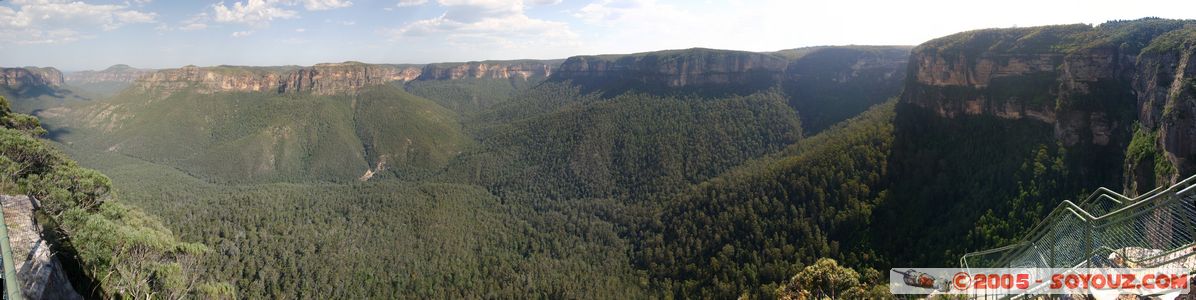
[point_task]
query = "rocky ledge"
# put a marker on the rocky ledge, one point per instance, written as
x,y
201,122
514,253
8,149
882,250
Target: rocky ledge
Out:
x,y
40,272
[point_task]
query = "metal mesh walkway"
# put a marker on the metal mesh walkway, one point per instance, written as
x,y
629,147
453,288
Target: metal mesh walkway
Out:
x,y
1107,229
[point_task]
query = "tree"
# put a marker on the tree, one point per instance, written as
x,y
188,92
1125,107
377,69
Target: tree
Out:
x,y
826,279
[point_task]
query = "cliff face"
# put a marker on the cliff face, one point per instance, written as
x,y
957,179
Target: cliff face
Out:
x,y
116,73
523,70
831,84
1165,84
1090,83
1084,91
848,63
697,68
824,84
29,78
329,79
212,79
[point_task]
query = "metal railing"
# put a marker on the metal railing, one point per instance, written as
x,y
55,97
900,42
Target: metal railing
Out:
x,y
12,286
1106,229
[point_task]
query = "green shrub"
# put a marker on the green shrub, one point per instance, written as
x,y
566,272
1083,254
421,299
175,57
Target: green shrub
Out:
x,y
122,251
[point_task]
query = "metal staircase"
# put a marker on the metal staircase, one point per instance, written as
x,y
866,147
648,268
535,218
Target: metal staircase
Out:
x,y
1107,229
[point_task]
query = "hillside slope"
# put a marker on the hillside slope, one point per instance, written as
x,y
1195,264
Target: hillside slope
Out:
x,y
755,225
108,248
561,143
824,84
378,239
261,137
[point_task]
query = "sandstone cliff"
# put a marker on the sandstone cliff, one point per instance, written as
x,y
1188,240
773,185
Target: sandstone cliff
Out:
x,y
209,80
673,69
115,73
1165,85
846,63
332,78
824,84
831,84
1091,83
523,70
29,79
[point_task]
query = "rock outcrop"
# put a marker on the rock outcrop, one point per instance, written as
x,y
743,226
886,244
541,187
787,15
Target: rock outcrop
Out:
x,y
524,70
332,78
115,73
831,84
39,271
673,69
348,77
824,84
21,80
1166,88
210,80
1092,83
840,64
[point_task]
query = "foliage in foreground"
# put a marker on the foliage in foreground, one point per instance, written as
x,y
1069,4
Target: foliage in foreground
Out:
x,y
826,279
118,251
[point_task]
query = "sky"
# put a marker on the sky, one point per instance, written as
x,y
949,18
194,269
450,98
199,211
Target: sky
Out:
x,y
93,34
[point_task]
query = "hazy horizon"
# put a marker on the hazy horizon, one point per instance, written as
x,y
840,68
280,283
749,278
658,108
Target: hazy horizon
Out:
x,y
93,35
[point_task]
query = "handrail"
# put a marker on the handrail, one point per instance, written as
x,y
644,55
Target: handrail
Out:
x,y
1088,231
12,289
1084,215
1070,206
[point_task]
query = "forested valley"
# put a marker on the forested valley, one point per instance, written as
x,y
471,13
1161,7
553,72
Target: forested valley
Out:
x,y
787,174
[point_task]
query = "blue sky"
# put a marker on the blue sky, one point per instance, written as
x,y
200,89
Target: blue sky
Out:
x,y
93,34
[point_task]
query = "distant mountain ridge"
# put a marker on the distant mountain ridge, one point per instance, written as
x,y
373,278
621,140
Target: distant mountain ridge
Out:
x,y
825,84
115,73
516,69
333,78
695,68
671,69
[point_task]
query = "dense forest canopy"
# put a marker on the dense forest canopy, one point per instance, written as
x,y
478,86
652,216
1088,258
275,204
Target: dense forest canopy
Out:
x,y
809,179
117,250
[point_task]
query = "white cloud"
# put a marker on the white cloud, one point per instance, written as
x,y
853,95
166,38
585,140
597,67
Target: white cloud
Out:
x,y
256,13
194,26
326,4
300,30
55,21
645,25
197,22
615,12
488,23
242,33
407,3
761,25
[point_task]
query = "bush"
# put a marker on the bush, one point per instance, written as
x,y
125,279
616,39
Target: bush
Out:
x,y
121,250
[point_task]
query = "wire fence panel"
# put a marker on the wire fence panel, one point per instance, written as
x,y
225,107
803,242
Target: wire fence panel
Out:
x,y
1106,229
